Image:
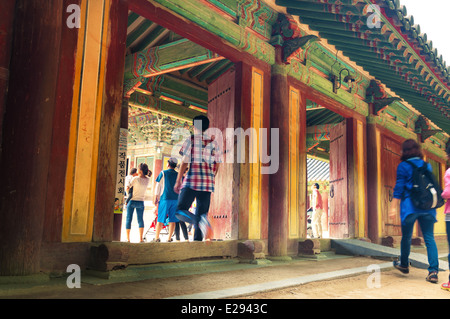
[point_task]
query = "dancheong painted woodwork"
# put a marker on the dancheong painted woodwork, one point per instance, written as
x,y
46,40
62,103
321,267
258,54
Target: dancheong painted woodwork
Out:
x,y
344,83
393,51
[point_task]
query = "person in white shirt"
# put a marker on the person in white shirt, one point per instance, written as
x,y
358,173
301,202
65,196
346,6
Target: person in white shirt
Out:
x,y
133,173
139,184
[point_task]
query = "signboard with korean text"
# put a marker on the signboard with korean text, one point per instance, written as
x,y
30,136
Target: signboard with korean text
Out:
x,y
121,172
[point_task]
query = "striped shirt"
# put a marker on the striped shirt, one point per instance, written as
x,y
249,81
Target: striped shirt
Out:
x,y
203,162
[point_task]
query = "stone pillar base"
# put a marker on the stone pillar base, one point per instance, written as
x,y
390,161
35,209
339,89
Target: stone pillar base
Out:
x,y
309,247
252,251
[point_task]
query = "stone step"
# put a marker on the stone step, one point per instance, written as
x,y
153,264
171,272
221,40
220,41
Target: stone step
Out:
x,y
356,247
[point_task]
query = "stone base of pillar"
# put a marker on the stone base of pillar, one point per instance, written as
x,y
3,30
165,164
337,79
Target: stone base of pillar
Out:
x,y
252,251
309,247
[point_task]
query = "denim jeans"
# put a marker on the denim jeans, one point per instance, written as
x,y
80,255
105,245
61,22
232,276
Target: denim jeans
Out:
x,y
185,200
426,222
139,206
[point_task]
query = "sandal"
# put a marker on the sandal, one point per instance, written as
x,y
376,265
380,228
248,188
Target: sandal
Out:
x,y
156,240
446,286
398,266
432,277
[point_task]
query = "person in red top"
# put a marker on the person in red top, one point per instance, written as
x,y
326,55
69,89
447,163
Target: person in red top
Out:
x,y
317,216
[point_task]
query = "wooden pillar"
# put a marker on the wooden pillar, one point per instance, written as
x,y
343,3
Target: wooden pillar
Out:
x,y
297,185
373,154
6,34
279,182
357,206
116,30
252,99
95,123
360,179
54,206
27,133
242,118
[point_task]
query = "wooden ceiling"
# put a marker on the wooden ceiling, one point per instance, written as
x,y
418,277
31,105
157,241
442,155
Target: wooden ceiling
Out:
x,y
143,34
163,102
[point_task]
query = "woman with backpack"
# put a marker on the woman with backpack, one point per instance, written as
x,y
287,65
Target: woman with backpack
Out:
x,y
409,213
446,195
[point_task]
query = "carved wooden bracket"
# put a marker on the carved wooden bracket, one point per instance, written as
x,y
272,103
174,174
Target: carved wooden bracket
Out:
x,y
290,46
287,34
423,129
376,96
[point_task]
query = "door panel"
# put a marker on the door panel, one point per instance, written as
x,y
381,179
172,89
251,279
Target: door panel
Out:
x,y
221,115
390,158
338,198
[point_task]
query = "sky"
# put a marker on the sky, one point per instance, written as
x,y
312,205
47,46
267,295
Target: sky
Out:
x,y
433,16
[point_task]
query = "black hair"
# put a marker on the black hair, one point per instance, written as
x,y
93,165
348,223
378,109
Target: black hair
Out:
x,y
410,148
144,168
204,121
317,185
172,164
133,171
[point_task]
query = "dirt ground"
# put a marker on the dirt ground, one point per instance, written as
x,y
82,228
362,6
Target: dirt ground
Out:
x,y
393,285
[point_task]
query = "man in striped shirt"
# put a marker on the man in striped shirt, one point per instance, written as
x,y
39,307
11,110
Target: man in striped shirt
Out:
x,y
201,154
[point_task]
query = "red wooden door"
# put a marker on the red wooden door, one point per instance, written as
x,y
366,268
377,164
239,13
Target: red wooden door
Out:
x,y
221,116
390,158
338,194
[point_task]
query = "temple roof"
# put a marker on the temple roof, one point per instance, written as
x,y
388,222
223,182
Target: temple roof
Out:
x,y
385,41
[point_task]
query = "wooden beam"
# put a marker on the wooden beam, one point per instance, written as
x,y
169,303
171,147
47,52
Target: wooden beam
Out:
x,y
150,103
178,88
166,58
